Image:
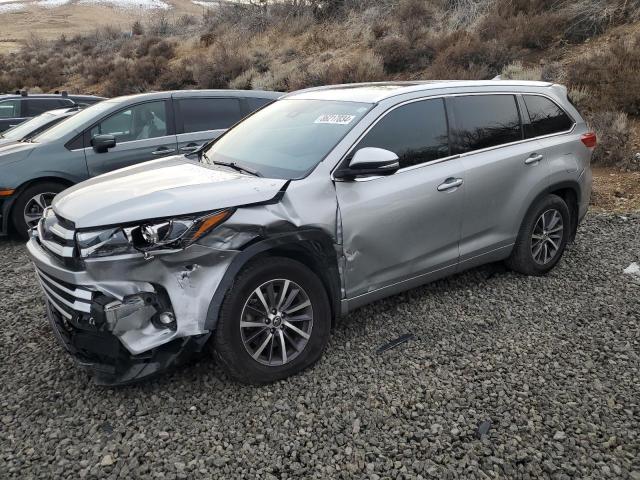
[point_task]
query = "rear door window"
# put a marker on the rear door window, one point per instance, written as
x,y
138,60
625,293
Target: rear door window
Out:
x,y
483,121
416,132
10,108
545,116
36,106
200,114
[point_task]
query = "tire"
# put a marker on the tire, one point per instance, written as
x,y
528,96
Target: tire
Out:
x,y
45,191
234,347
523,258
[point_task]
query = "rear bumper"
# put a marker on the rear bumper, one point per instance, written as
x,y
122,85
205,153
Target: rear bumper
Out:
x,y
585,180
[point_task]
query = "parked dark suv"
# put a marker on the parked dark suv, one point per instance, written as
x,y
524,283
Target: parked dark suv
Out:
x,y
109,135
16,108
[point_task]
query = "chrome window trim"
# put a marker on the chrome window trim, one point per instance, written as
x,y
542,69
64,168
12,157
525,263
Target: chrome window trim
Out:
x,y
450,157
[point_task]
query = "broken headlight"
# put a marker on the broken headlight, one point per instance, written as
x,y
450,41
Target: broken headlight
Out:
x,y
149,236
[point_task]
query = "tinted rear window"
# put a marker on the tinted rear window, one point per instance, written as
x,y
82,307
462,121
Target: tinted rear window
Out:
x,y
484,121
416,132
200,114
545,116
36,106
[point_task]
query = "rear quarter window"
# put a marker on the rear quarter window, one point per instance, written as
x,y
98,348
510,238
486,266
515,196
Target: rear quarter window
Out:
x,y
483,121
254,103
545,117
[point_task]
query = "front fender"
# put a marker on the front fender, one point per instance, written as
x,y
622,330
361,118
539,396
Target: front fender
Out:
x,y
312,244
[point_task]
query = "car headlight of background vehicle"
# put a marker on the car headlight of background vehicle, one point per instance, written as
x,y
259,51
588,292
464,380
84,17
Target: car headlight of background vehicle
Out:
x,y
149,236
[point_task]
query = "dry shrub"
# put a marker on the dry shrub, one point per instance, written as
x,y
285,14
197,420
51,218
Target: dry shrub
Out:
x,y
178,76
516,71
220,66
414,16
395,52
586,18
523,30
137,28
121,81
612,76
463,55
352,68
462,14
398,54
612,129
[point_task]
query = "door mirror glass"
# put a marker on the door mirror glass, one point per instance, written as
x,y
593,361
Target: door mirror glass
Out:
x,y
370,161
102,143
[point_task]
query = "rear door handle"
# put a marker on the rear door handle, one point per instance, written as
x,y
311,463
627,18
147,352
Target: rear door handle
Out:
x,y
450,183
534,158
163,151
189,148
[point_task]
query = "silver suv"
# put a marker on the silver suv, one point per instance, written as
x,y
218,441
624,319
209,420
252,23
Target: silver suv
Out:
x,y
326,200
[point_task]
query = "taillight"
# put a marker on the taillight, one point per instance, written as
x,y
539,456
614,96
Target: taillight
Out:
x,y
589,140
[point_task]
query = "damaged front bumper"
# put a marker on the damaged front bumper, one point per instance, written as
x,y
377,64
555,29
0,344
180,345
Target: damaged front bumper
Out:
x,y
126,330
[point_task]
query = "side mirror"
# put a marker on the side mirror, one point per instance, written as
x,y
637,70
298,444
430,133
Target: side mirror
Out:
x,y
102,143
370,161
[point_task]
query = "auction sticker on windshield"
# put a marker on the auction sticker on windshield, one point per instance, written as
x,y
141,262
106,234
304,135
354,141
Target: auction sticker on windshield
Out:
x,y
335,119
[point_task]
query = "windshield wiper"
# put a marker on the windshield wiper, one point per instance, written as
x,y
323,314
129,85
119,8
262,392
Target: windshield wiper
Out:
x,y
233,165
237,167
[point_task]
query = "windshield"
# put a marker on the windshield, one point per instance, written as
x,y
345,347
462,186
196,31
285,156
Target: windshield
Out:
x,y
27,128
288,138
75,123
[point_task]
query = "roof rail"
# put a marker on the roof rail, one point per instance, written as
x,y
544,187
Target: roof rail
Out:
x,y
24,93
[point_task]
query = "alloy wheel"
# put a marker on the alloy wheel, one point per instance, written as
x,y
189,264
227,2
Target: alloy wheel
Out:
x,y
547,236
35,206
276,322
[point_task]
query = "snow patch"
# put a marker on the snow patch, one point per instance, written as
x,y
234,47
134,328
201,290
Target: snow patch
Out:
x,y
130,4
51,3
633,269
11,7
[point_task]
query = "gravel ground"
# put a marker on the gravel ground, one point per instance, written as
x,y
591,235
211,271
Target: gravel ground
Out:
x,y
553,363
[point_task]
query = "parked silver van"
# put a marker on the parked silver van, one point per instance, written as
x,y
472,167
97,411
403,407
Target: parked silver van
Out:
x,y
325,200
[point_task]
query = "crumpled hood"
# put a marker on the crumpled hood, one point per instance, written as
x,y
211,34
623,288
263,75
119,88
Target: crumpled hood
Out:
x,y
160,188
14,152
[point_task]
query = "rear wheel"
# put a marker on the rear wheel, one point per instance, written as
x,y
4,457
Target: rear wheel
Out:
x,y
542,238
274,322
30,204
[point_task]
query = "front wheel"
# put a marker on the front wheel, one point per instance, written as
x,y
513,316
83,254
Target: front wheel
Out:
x,y
274,322
30,204
542,238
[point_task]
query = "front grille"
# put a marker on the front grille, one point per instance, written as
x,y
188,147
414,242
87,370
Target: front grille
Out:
x,y
57,236
70,301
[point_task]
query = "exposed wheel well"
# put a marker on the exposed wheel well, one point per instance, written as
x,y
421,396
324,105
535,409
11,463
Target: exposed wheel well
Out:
x,y
35,181
323,263
570,197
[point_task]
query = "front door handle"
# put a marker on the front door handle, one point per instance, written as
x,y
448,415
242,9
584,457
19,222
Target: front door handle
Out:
x,y
163,151
534,158
450,183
